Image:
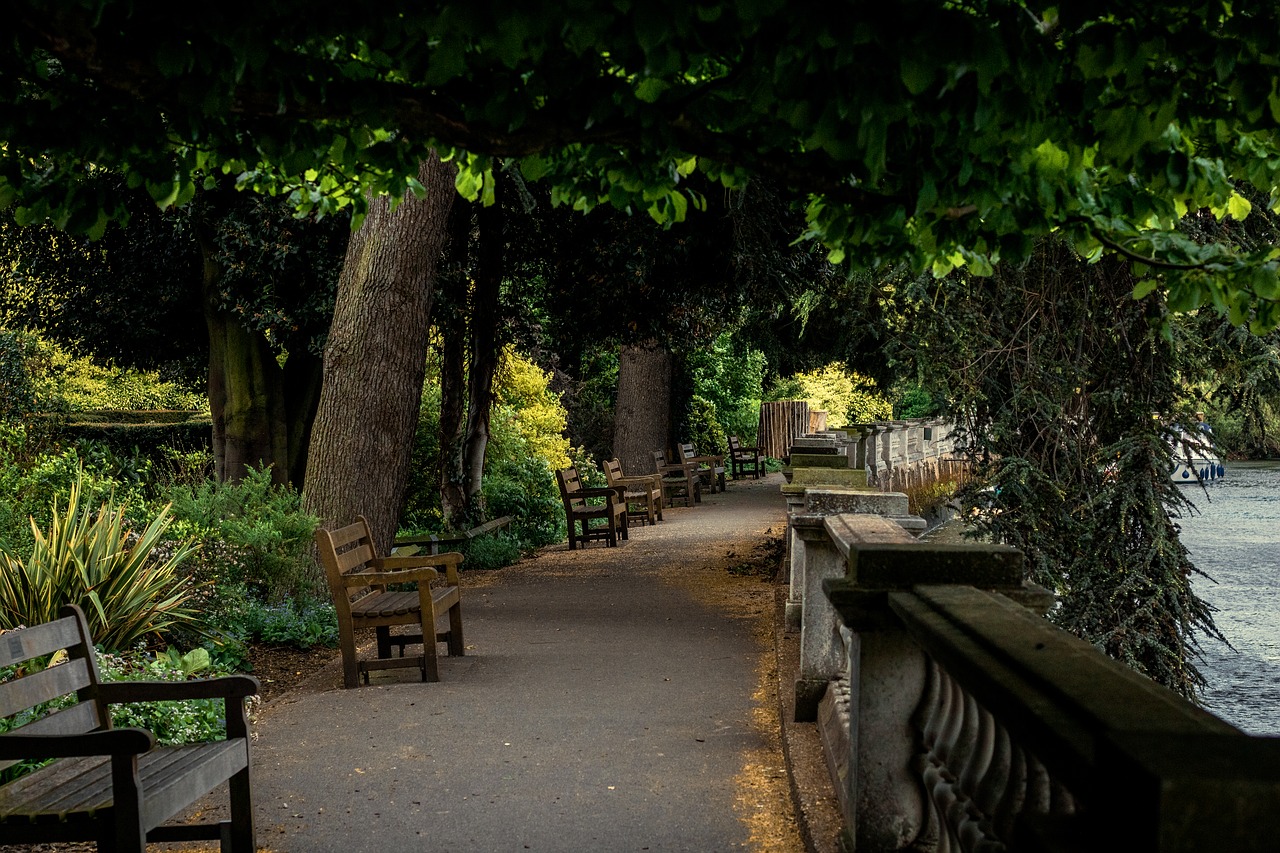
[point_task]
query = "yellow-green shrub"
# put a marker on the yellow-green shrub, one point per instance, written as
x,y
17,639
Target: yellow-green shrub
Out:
x,y
846,395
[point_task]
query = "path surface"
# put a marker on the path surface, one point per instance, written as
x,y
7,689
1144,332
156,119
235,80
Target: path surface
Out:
x,y
611,699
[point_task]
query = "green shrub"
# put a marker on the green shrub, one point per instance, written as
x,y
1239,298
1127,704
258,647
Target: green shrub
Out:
x,y
731,377
299,623
525,489
127,586
492,552
845,395
704,429
252,532
913,401
44,377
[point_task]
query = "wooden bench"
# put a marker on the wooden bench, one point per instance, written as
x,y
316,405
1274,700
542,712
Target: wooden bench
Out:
x,y
710,468
578,512
679,479
112,786
742,458
359,581
643,491
435,542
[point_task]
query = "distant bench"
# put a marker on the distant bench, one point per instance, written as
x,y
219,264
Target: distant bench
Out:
x,y
433,541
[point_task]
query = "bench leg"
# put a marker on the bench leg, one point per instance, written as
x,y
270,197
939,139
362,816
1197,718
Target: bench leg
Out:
x,y
127,836
242,837
350,664
455,631
383,634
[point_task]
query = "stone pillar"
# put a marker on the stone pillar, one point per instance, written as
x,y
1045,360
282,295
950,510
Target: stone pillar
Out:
x,y
821,652
881,794
795,557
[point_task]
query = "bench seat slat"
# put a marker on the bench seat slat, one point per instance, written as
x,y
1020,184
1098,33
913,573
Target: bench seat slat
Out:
x,y
76,788
383,604
38,641
43,686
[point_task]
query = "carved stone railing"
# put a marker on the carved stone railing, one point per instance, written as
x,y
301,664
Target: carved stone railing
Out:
x,y
962,720
898,455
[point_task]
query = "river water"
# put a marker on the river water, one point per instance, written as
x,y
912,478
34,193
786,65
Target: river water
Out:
x,y
1235,539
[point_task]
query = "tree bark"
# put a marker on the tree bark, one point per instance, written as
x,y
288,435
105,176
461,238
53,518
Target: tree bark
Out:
x,y
261,413
484,349
452,325
643,415
375,360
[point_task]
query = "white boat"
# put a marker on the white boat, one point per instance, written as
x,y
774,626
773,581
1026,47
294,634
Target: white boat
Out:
x,y
1194,459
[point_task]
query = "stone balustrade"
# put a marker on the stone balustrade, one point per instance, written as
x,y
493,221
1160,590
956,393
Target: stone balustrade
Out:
x,y
900,454
956,718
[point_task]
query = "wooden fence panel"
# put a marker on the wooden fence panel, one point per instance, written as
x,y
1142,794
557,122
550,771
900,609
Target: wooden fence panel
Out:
x,y
781,422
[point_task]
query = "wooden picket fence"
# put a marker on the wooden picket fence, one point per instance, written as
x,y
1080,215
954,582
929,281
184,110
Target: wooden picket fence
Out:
x,y
781,422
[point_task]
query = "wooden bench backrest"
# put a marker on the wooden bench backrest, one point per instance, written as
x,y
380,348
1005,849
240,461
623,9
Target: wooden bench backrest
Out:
x,y
36,684
570,482
659,460
687,451
345,550
612,471
734,444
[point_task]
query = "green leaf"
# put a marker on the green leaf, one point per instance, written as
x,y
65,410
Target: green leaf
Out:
x,y
534,167
1144,287
650,89
916,75
1238,206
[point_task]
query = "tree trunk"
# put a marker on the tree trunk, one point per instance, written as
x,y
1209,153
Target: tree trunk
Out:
x,y
484,349
643,420
375,360
452,325
261,414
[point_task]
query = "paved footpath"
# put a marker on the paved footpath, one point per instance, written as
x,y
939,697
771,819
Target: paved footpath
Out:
x,y
611,699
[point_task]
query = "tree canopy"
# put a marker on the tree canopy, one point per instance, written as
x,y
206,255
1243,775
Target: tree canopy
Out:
x,y
949,133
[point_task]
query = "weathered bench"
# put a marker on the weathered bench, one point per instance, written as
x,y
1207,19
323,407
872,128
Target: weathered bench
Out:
x,y
679,479
112,786
359,581
643,492
578,512
710,468
742,458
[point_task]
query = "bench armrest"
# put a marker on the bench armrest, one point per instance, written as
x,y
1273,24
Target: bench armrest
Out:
x,y
638,480
225,687
602,492
129,741
447,561
419,575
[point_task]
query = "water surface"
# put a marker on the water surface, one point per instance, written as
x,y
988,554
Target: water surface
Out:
x,y
1235,539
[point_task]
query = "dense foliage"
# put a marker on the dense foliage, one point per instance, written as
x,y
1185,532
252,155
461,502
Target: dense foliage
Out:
x,y
845,395
947,133
129,588
1067,390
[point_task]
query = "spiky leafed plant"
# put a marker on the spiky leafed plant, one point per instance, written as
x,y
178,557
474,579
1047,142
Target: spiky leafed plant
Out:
x,y
127,588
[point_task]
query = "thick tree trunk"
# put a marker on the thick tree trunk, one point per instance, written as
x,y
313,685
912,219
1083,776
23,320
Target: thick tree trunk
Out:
x,y
261,414
642,423
375,360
